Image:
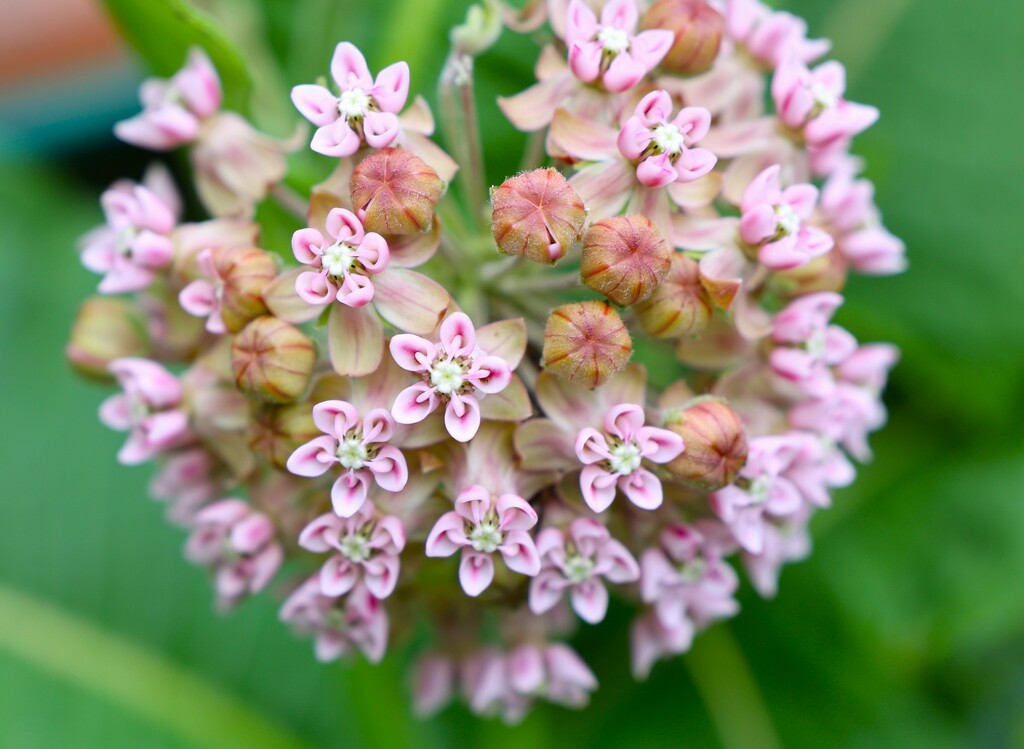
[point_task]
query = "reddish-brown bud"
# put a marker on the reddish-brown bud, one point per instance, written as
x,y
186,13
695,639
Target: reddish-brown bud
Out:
x,y
397,191
106,328
680,306
586,342
536,215
272,360
625,258
716,444
698,28
244,273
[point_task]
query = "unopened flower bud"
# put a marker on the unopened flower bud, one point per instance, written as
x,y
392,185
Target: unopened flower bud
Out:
x,y
625,258
537,215
106,328
680,305
716,444
586,342
275,432
698,33
397,191
272,360
244,274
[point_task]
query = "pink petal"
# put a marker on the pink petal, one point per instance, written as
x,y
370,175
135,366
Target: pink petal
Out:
x,y
335,418
391,88
314,458
348,68
580,22
411,352
648,48
116,412
338,576
251,533
546,591
694,163
447,536
633,138
321,534
591,446
642,488
624,421
526,669
316,104
349,492
598,487
380,129
624,73
620,14
458,336
381,575
585,60
590,601
306,246
198,298
520,553
656,171
338,140
389,469
515,513
659,445
415,403
476,571
462,417
489,374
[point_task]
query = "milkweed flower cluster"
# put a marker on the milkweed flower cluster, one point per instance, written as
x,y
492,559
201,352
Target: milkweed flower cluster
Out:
x,y
457,450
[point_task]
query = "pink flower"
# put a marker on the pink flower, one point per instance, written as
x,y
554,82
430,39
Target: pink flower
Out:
x,y
173,110
610,50
614,458
650,641
576,564
773,219
686,579
480,525
135,243
338,625
812,101
663,148
359,446
787,541
149,408
455,371
187,480
433,684
342,268
365,110
204,296
811,347
238,544
771,36
367,546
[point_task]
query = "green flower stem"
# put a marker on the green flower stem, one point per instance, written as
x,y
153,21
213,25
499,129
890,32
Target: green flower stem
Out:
x,y
137,679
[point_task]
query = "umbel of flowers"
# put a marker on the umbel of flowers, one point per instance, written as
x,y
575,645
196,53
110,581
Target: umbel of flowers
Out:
x,y
462,450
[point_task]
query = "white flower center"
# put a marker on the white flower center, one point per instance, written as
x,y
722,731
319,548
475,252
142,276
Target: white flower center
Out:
x,y
759,489
786,219
123,241
355,548
486,537
447,376
692,571
613,40
338,259
816,344
625,458
352,453
353,104
823,98
578,568
668,139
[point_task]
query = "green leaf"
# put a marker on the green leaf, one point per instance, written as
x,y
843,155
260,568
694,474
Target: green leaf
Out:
x,y
164,30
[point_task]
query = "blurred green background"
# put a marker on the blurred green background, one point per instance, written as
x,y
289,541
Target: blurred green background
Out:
x,y
905,628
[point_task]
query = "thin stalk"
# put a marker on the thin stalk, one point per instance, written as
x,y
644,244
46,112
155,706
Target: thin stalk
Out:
x,y
291,201
498,268
462,132
544,282
533,153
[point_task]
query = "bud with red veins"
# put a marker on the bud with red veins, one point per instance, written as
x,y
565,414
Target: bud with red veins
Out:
x,y
536,215
272,360
394,192
365,109
663,148
809,346
456,373
716,444
105,329
586,342
774,219
610,50
812,101
357,622
149,409
238,544
343,265
697,29
624,258
680,305
481,525
575,562
229,293
613,458
364,548
359,446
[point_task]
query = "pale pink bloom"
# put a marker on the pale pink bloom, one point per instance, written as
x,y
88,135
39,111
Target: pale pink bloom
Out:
x,y
134,245
869,366
364,548
686,579
845,416
343,265
456,372
186,480
610,49
174,109
812,101
238,544
433,684
784,542
204,296
810,347
480,525
486,687
149,408
650,641
663,147
575,562
874,251
775,221
769,492
365,109
359,446
613,458
771,36
339,626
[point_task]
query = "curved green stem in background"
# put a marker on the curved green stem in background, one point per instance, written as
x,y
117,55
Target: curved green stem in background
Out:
x,y
730,693
139,680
